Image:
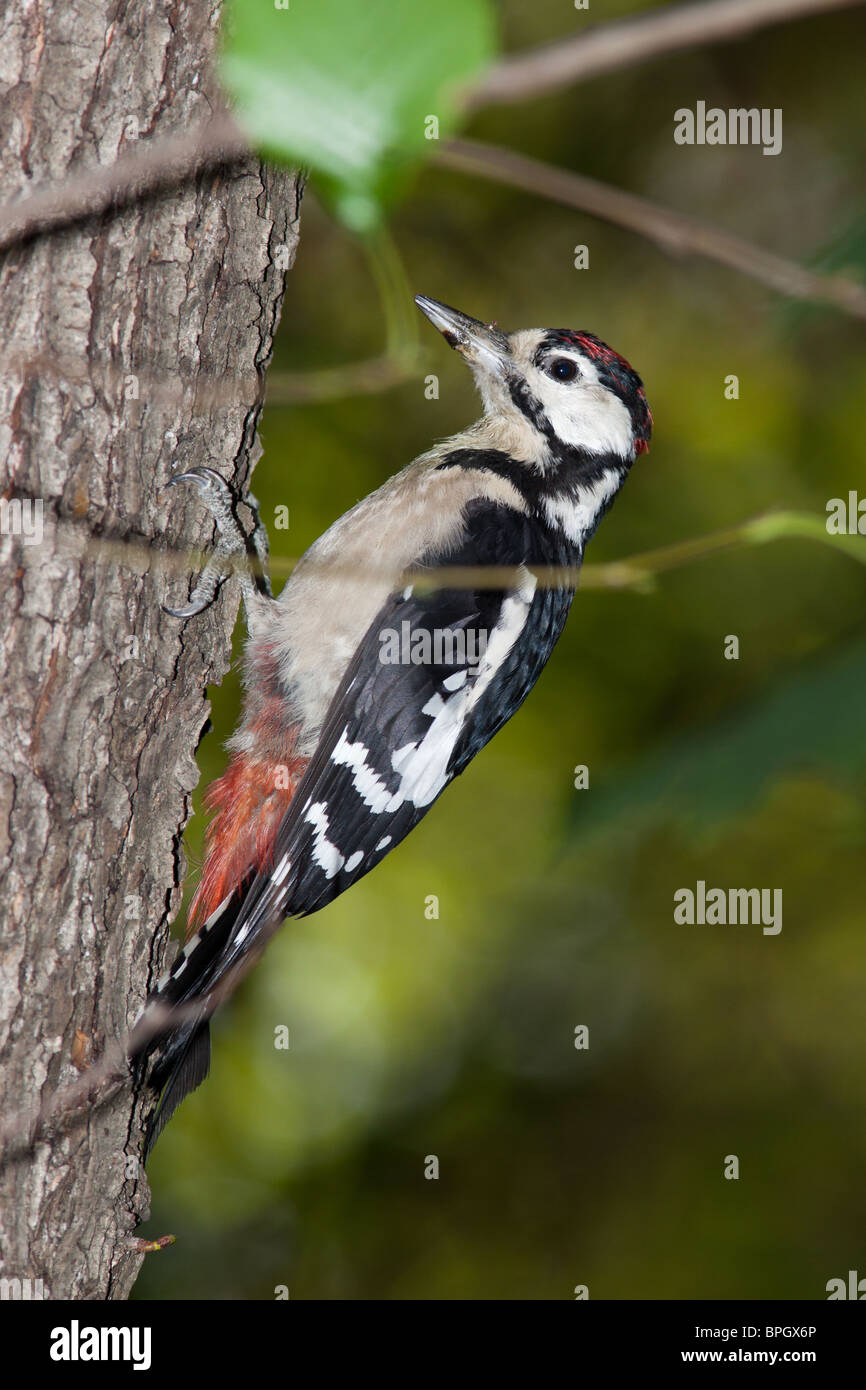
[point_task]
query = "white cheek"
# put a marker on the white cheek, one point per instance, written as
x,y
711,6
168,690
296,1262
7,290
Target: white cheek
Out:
x,y
588,417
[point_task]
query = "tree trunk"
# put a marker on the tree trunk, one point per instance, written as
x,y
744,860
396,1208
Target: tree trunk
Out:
x,y
131,345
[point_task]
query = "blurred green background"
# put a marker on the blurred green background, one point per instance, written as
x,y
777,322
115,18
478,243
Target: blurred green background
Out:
x,y
454,1036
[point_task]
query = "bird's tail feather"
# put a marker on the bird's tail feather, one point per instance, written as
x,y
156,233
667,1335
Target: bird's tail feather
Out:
x,y
174,1059
183,1067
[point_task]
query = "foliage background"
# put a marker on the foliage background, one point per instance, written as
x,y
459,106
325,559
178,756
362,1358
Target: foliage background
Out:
x,y
454,1036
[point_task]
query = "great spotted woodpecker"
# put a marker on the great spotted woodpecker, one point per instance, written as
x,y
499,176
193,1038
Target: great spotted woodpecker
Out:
x,y
340,751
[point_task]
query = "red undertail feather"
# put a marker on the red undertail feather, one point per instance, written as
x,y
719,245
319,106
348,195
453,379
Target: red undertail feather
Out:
x,y
250,800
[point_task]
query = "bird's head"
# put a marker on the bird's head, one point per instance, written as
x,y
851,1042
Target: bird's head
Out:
x,y
568,387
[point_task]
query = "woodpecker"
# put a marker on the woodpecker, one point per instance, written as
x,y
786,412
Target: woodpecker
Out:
x,y
341,748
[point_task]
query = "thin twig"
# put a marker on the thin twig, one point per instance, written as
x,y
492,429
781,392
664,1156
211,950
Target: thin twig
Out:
x,y
639,570
149,167
21,1130
637,40
209,391
673,231
205,390
353,379
629,573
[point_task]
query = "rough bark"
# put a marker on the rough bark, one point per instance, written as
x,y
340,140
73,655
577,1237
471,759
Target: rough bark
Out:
x,y
130,346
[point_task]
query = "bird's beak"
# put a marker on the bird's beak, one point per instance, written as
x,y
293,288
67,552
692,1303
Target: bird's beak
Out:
x,y
480,343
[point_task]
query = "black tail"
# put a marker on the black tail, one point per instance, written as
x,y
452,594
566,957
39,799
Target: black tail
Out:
x,y
181,1066
175,1060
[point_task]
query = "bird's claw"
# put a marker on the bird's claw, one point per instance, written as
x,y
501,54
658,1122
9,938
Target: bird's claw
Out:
x,y
221,501
204,478
191,609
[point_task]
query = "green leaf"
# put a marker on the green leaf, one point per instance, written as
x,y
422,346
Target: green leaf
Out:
x,y
346,87
811,722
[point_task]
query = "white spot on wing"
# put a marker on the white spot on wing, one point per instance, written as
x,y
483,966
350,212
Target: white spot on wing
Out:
x,y
162,981
368,785
180,960
422,766
326,855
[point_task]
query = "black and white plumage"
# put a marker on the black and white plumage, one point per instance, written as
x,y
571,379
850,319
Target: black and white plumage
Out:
x,y
367,743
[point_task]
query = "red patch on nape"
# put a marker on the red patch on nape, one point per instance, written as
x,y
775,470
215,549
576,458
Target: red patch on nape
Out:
x,y
250,800
642,446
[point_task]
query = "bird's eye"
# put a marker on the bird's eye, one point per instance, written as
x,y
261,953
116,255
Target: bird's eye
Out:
x,y
563,369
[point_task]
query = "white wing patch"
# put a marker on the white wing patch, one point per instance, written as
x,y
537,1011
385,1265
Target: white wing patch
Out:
x,y
423,766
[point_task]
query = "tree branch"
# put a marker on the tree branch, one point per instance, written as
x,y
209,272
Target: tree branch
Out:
x,y
672,231
623,44
156,165
364,378
150,167
137,557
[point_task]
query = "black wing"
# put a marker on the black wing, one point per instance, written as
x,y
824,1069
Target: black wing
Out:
x,y
397,732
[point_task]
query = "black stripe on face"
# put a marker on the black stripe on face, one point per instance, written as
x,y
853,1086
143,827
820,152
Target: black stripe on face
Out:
x,y
529,406
568,459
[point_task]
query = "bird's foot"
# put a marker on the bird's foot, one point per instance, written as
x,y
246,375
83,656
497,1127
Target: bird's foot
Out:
x,y
234,550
